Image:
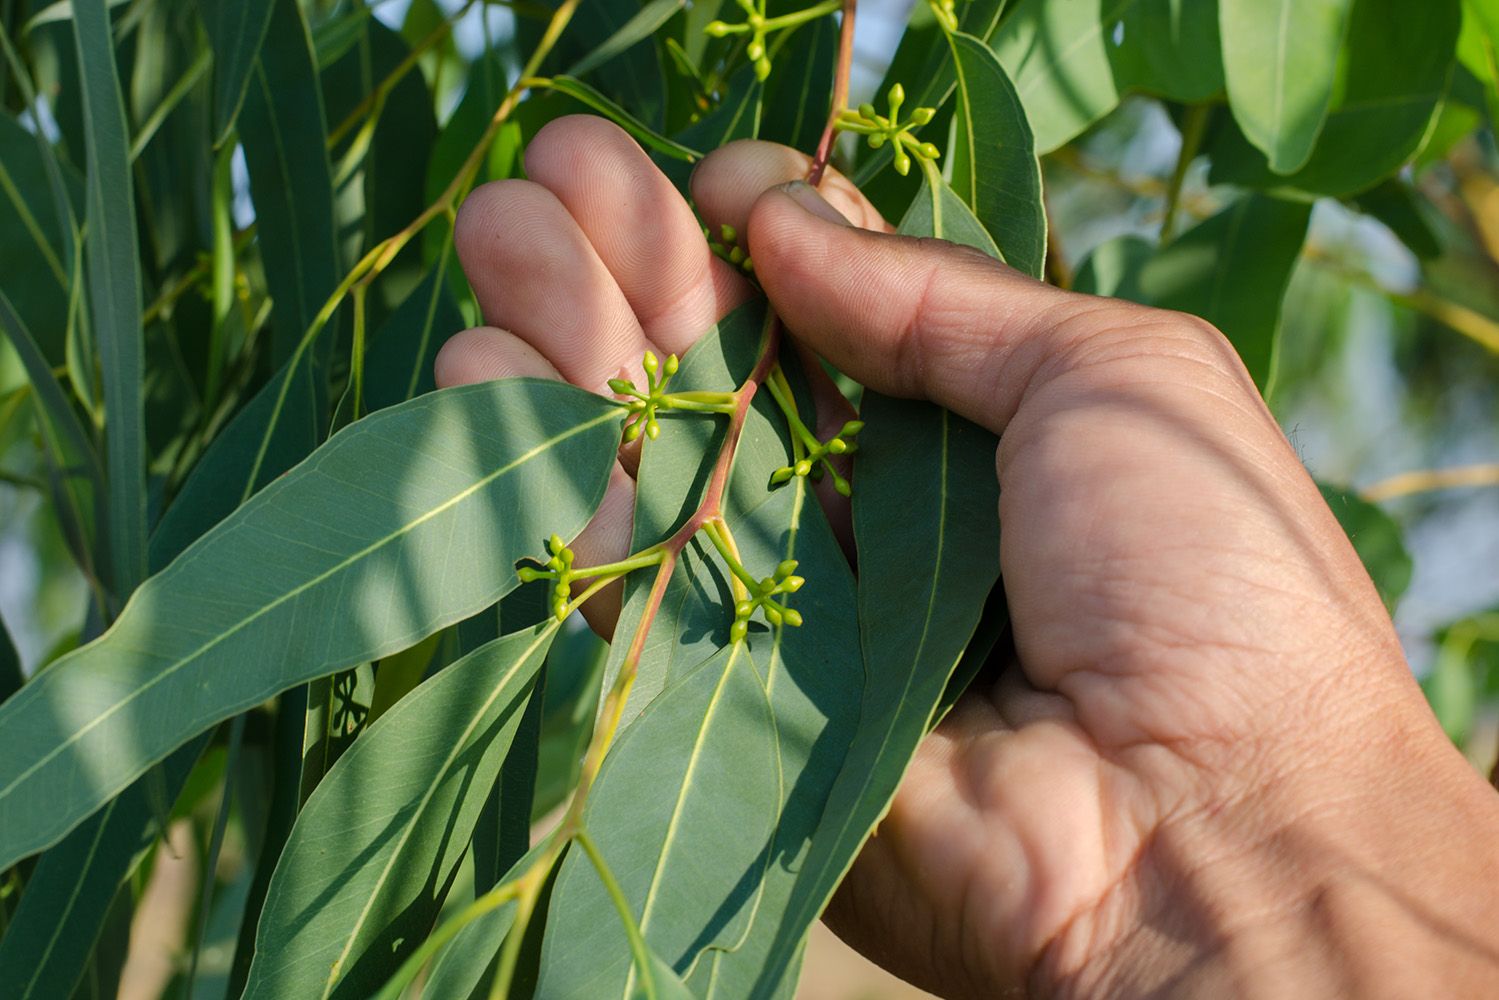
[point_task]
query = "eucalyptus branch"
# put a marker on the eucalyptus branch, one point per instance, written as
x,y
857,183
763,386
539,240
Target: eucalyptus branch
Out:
x,y
840,94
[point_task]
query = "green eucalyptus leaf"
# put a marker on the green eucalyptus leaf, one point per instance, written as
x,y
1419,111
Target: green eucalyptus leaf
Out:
x,y
367,533
994,165
637,29
403,350
1072,62
1232,270
284,133
1397,63
737,116
399,806
35,262
78,481
236,29
926,524
939,211
684,811
1280,61
801,86
1404,211
70,893
594,98
114,277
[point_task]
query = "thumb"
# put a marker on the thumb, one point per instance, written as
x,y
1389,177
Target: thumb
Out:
x,y
905,316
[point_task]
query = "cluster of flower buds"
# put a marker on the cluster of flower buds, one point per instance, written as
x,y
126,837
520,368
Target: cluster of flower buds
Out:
x,y
643,405
755,26
881,129
558,569
727,248
818,459
763,596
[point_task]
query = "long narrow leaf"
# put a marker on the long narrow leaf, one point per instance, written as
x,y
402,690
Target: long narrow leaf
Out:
x,y
397,810
114,292
407,521
236,28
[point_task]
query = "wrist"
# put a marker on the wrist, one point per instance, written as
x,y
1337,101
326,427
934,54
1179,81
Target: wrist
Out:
x,y
1373,879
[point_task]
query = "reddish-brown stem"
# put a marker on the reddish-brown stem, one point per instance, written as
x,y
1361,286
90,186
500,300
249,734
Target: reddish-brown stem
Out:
x,y
840,94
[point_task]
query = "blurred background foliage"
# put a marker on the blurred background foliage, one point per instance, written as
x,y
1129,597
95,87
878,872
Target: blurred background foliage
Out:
x,y
1385,373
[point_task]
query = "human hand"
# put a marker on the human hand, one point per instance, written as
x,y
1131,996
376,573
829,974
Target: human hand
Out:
x,y
1209,769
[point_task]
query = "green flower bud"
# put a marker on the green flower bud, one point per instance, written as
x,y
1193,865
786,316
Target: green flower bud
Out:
x,y
929,151
729,233
559,610
837,446
756,50
803,467
718,29
867,111
744,609
852,428
786,568
736,256
650,362
672,364
738,631
652,429
529,575
896,97
781,475
632,432
792,617
556,543
762,68
621,386
792,584
877,140
772,614
768,585
922,116
748,265
902,161
841,485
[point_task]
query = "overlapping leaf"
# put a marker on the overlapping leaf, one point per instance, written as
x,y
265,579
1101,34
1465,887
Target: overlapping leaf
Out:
x,y
114,292
236,28
330,566
372,854
1280,60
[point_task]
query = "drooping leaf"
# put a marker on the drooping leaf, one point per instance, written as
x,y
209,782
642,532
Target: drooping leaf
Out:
x,y
1072,62
114,293
375,848
279,427
69,895
402,351
35,263
594,98
236,29
368,535
737,116
284,133
994,165
634,31
688,857
575,670
1377,538
800,87
78,488
1280,60
1232,270
1398,60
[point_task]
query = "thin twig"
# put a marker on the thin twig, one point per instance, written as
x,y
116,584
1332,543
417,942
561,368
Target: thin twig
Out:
x,y
840,94
1430,480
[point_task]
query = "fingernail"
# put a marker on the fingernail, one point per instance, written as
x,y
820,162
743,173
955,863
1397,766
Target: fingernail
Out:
x,y
808,198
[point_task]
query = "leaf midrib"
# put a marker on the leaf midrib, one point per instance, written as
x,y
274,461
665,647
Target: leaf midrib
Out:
x,y
239,626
